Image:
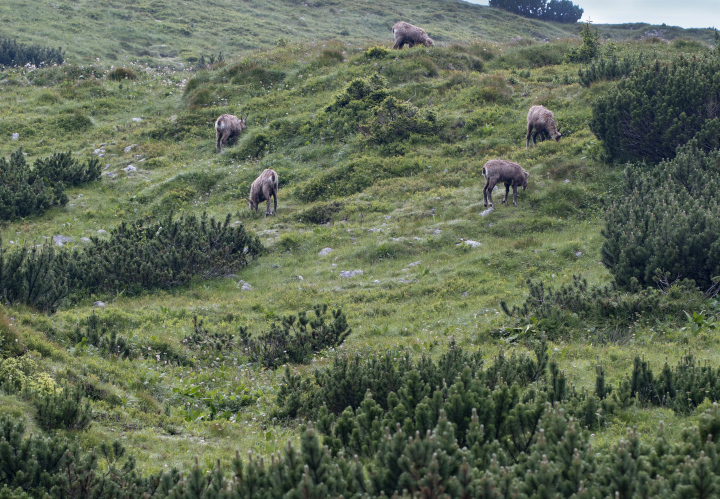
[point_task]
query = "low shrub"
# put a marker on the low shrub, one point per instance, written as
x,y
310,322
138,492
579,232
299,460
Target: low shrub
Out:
x,y
589,48
119,74
665,226
610,68
13,53
23,192
74,122
62,410
660,107
62,167
165,253
296,338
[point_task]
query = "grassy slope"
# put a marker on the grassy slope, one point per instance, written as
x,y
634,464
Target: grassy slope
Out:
x,y
170,33
453,292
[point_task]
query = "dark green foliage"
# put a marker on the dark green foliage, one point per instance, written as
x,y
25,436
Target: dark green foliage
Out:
x,y
658,108
13,53
557,312
255,146
320,213
589,48
609,68
34,276
203,339
397,124
22,193
62,167
161,254
666,224
119,74
138,256
74,122
563,11
296,338
62,410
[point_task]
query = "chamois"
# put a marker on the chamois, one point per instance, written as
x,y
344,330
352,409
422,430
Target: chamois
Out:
x,y
262,189
501,171
412,35
543,121
227,129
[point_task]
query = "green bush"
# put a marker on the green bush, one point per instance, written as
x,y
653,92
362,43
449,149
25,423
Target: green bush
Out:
x,y
609,68
255,145
376,52
62,410
296,338
13,53
563,11
169,252
62,167
119,74
75,122
398,121
589,48
660,107
666,225
320,213
22,192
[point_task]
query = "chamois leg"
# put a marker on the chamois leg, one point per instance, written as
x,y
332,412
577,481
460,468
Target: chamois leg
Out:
x,y
527,139
398,43
488,190
485,193
218,135
534,137
507,191
275,202
514,194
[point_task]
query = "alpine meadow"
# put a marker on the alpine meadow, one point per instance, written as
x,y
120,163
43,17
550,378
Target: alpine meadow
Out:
x,y
250,250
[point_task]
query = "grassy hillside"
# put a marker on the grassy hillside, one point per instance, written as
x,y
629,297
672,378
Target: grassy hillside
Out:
x,y
399,211
169,33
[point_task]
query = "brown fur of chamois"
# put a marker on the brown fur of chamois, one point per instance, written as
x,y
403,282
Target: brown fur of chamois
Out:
x,y
227,129
498,171
262,189
412,35
542,120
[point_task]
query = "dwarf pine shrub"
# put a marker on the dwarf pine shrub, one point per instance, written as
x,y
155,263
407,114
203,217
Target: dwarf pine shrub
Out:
x,y
658,108
13,53
609,68
163,253
22,192
666,225
62,167
296,338
65,409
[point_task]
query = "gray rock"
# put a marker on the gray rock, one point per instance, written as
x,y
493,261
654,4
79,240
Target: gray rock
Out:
x,y
566,181
466,293
579,254
129,169
246,287
100,304
405,281
351,273
137,119
106,166
102,231
85,239
98,151
80,196
374,230
387,217
101,155
414,264
490,224
15,136
485,213
437,231
71,205
129,148
325,251
110,174
61,240
471,243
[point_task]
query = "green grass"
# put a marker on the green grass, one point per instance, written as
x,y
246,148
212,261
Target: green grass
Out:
x,y
420,209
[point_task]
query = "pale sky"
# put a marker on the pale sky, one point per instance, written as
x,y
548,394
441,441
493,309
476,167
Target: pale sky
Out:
x,y
684,13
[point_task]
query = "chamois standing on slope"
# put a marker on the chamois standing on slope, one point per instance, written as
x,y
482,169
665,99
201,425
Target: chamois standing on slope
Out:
x,y
227,129
501,171
262,189
542,120
412,35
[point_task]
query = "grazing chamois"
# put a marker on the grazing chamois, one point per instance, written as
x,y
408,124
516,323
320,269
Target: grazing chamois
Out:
x,y
498,171
412,35
227,129
542,120
264,188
